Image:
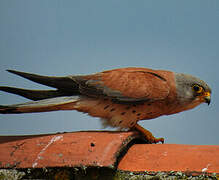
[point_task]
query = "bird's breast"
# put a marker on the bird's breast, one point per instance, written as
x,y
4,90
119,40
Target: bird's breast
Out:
x,y
124,115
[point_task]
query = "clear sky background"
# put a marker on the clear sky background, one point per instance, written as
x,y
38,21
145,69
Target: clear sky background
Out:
x,y
53,37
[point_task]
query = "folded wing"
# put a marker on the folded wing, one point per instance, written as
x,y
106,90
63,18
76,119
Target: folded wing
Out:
x,y
122,85
128,84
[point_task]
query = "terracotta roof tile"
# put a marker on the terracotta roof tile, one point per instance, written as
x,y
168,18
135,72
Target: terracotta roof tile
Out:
x,y
105,149
64,149
171,157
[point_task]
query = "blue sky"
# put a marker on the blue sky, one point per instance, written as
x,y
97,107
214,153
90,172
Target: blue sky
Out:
x,y
60,38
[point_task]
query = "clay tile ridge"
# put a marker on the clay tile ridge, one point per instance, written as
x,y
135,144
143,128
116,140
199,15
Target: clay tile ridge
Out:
x,y
191,159
105,149
75,149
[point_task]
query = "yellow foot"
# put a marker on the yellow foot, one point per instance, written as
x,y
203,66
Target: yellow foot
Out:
x,y
148,135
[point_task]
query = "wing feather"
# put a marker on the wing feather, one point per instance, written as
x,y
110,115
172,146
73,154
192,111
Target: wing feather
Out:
x,y
127,84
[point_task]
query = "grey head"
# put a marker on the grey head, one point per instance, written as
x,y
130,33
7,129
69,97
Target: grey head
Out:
x,y
191,91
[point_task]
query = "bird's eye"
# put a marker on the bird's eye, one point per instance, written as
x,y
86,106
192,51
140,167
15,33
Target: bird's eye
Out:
x,y
197,88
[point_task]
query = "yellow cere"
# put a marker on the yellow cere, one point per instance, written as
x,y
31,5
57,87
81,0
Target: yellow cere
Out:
x,y
207,94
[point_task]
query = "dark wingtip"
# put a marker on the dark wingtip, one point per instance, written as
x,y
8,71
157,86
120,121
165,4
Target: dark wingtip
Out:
x,y
19,73
33,94
11,71
64,83
15,72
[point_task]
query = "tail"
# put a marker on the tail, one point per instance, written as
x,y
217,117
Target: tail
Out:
x,y
62,83
63,98
51,104
35,94
65,86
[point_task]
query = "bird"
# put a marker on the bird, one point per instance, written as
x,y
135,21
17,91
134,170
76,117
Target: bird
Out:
x,y
119,97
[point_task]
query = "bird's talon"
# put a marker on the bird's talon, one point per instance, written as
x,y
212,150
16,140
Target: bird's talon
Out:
x,y
148,135
157,140
153,140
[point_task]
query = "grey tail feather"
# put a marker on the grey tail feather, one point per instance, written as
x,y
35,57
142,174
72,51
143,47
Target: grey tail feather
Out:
x,y
51,104
34,94
62,83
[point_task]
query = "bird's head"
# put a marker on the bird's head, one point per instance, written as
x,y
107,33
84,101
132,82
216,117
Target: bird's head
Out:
x,y
191,91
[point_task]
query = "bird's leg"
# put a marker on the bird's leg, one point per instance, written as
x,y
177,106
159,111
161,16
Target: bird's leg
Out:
x,y
147,135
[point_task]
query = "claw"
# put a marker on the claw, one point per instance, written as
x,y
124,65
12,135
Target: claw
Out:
x,y
157,140
148,135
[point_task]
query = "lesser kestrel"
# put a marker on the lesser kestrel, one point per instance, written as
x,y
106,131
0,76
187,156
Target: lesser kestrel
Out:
x,y
120,97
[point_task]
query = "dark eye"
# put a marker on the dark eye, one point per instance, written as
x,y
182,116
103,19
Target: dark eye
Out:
x,y
197,88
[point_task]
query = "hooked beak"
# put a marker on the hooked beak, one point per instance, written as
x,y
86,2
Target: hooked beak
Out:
x,y
207,97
